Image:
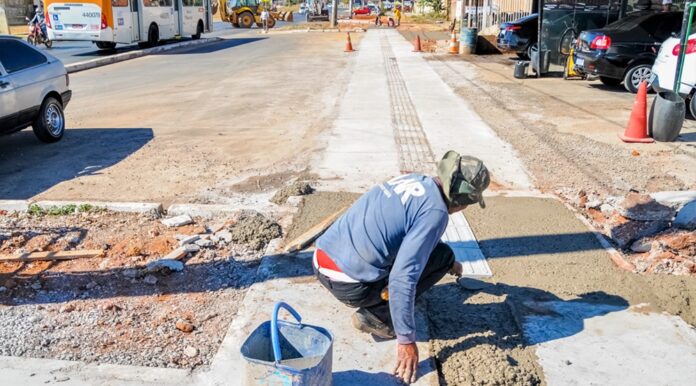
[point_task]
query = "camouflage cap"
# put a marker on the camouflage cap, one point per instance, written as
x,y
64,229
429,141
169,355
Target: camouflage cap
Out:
x,y
464,178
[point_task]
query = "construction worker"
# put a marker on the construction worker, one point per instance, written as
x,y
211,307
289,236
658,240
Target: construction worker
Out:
x,y
264,19
397,15
385,250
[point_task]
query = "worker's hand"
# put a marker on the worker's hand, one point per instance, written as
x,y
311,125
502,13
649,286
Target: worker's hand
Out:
x,y
406,362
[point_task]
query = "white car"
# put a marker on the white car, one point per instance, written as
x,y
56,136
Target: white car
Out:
x,y
664,70
33,90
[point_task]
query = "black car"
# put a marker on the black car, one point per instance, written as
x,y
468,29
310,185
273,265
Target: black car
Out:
x,y
519,35
624,51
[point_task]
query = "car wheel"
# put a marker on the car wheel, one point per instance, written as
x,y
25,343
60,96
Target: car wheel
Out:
x,y
530,49
636,75
609,81
199,31
692,105
49,125
246,20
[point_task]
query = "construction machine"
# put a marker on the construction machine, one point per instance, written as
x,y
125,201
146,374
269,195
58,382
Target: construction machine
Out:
x,y
244,13
317,10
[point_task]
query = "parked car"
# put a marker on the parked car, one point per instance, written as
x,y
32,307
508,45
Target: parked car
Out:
x,y
519,35
34,90
665,68
362,11
624,51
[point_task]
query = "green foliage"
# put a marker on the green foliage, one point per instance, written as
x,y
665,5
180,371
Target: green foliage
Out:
x,y
36,210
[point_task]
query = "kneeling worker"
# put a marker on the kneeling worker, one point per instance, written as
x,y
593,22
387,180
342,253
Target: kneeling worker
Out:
x,y
385,250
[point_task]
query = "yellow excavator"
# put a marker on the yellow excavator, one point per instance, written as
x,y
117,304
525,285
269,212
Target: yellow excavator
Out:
x,y
244,13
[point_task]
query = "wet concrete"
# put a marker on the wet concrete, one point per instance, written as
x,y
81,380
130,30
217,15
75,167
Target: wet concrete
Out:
x,y
537,251
315,208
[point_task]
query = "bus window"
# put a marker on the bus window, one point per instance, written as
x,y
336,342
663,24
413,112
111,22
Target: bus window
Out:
x,y
119,3
151,3
165,3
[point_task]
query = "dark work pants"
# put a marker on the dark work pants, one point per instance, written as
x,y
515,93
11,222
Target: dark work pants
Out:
x,y
367,295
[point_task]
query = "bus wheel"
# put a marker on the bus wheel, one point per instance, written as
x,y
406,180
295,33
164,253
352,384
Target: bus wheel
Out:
x,y
199,31
152,36
246,20
106,45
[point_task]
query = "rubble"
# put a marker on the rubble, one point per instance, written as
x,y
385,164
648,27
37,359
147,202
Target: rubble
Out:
x,y
177,221
184,326
183,240
255,230
624,234
643,207
297,188
170,264
686,218
191,352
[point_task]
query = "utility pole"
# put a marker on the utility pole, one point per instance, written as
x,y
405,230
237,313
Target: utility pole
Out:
x,y
334,13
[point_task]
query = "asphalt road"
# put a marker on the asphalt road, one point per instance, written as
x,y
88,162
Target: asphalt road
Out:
x,y
186,125
78,51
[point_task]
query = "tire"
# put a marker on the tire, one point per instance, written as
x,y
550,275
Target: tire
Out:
x,y
692,105
271,22
199,31
613,82
246,20
49,125
31,40
152,36
48,43
635,75
529,50
109,46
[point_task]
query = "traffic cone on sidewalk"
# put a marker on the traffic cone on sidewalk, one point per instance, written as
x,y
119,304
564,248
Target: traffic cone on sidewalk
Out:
x,y
417,44
349,45
637,129
454,45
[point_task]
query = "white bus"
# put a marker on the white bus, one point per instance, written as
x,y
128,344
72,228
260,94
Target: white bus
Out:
x,y
108,22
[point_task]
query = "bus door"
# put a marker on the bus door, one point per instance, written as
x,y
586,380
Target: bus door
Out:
x,y
136,19
179,11
123,21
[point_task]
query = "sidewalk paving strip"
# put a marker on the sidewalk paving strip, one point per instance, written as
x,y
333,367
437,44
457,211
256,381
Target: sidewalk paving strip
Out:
x,y
461,239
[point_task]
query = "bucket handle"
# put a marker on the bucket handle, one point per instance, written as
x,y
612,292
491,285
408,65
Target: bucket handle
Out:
x,y
275,341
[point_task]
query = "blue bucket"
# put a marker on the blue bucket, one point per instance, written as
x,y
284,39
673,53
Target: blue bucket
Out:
x,y
288,354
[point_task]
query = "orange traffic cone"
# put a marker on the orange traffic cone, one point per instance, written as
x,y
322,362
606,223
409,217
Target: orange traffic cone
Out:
x,y
454,45
637,129
349,45
417,44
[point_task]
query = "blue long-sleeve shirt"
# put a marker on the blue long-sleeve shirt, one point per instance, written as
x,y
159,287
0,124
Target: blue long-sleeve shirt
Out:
x,y
390,231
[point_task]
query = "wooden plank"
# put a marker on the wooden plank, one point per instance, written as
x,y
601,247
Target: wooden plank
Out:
x,y
52,256
307,238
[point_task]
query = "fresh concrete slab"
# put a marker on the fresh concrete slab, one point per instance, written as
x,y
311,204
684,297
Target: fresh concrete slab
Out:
x,y
602,344
39,372
450,123
357,358
361,150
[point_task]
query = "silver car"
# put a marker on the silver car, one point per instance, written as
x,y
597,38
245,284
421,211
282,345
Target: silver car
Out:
x,y
33,90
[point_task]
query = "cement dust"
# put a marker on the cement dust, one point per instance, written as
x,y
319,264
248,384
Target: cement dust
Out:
x,y
255,230
315,208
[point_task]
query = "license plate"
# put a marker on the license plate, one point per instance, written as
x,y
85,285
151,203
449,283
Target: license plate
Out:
x,y
580,62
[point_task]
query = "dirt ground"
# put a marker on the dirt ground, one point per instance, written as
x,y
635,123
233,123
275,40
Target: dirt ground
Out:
x,y
567,136
186,126
537,250
115,308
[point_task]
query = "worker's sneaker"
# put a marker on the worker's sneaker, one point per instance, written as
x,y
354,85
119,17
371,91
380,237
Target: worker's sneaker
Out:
x,y
366,321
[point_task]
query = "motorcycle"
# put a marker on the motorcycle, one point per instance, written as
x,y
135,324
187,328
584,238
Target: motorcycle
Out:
x,y
37,34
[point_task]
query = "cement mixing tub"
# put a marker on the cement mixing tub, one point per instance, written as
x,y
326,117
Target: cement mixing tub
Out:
x,y
666,116
288,354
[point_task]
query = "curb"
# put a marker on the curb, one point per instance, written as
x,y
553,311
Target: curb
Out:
x,y
128,207
99,62
14,205
201,210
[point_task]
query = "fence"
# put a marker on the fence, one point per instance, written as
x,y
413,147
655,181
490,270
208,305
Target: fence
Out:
x,y
484,14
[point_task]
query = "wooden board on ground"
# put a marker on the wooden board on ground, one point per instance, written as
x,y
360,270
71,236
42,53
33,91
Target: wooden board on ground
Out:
x,y
307,238
61,255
